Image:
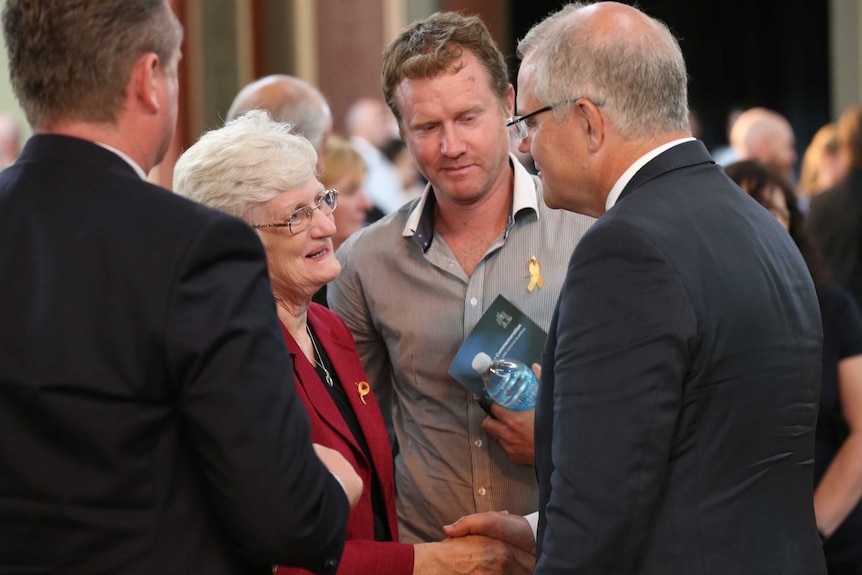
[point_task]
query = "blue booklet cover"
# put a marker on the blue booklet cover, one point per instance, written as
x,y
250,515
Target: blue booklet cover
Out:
x,y
502,331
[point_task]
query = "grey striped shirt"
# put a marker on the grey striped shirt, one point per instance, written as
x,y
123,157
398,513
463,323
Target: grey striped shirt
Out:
x,y
410,305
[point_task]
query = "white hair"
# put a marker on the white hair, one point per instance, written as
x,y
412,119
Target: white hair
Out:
x,y
248,161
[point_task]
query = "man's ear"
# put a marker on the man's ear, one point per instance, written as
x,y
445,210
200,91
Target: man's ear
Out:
x,y
593,122
144,82
510,101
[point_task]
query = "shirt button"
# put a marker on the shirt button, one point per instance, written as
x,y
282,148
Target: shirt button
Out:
x,y
478,443
481,491
474,301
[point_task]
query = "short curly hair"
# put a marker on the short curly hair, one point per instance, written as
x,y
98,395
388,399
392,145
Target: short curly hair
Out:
x,y
430,47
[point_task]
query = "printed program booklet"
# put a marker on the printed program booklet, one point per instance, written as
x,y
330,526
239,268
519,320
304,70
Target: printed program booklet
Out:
x,y
503,331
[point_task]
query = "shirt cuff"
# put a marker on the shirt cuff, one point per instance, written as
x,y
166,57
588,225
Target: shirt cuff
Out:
x,y
533,520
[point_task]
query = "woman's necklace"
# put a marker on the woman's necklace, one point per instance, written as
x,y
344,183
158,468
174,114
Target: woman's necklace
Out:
x,y
318,357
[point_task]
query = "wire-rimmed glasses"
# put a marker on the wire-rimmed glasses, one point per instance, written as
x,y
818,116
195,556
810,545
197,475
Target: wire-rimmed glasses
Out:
x,y
300,220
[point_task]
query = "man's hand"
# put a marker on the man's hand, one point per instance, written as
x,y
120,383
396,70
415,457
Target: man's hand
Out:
x,y
471,554
343,471
510,528
514,429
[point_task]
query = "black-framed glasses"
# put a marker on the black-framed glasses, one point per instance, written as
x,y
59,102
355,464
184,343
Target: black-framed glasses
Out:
x,y
300,220
521,128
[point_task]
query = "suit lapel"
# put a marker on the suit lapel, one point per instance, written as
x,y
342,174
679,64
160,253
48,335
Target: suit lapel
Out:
x,y
321,402
351,375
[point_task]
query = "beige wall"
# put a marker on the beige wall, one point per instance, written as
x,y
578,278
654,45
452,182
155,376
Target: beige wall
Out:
x,y
8,102
846,54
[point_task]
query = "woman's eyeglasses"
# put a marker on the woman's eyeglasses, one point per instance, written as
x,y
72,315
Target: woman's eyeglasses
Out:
x,y
300,220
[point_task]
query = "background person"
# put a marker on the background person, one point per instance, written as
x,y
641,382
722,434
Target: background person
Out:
x,y
835,217
838,441
292,101
345,172
766,136
823,164
371,126
256,169
145,424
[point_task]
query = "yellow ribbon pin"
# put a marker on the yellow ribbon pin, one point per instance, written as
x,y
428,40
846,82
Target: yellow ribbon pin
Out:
x,y
363,389
535,274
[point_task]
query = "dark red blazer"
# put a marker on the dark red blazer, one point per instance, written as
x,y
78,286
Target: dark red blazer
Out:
x,y
362,554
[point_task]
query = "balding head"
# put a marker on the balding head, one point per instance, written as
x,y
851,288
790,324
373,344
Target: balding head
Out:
x,y
615,82
766,136
289,100
371,119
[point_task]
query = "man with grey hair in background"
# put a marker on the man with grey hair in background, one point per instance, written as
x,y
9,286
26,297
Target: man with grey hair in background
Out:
x,y
676,414
148,423
292,101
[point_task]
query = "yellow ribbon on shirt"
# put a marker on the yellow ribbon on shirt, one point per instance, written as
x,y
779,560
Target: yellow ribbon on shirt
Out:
x,y
535,274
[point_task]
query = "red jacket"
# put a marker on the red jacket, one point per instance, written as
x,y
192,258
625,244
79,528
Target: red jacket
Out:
x,y
362,554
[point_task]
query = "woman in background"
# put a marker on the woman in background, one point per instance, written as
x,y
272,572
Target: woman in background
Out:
x,y
345,172
823,165
838,439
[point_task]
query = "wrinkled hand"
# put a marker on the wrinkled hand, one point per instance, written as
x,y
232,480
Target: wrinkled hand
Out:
x,y
471,554
509,528
514,429
340,468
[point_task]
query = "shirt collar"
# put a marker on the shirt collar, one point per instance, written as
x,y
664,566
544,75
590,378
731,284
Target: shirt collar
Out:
x,y
623,180
138,170
420,221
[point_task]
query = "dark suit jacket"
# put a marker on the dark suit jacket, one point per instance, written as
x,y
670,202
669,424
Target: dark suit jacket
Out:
x,y
362,554
147,420
675,422
836,223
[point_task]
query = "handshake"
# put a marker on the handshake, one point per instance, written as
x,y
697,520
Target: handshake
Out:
x,y
492,543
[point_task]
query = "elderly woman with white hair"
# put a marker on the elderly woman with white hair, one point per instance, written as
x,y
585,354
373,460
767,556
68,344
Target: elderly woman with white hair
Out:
x,y
255,169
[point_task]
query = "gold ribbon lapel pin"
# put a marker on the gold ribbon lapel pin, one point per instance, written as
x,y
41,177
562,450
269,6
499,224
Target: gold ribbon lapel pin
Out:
x,y
535,274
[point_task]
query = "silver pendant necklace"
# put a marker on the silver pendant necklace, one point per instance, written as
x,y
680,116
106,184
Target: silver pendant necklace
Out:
x,y
319,358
